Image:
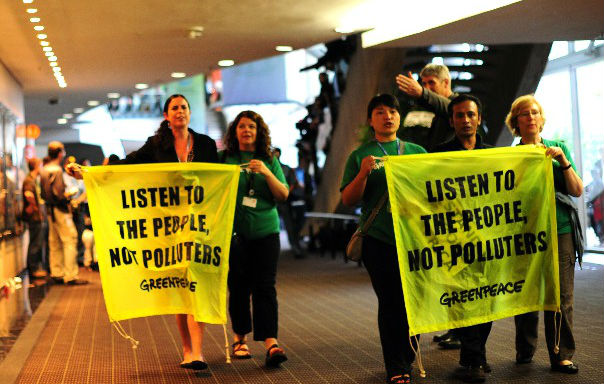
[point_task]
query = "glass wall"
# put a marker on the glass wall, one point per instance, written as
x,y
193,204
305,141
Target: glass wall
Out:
x,y
572,93
11,175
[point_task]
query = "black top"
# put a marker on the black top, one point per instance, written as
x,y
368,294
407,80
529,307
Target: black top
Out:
x,y
455,145
204,150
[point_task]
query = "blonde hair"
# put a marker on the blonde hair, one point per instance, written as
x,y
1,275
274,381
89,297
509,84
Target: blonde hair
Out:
x,y
511,120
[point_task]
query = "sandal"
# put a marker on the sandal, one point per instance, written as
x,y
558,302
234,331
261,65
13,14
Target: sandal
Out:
x,y
275,356
241,350
400,379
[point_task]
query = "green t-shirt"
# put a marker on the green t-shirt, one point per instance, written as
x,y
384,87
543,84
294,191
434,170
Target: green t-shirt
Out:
x,y
562,214
382,227
263,219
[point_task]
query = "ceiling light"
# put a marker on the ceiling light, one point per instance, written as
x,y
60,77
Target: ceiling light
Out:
x,y
47,49
226,63
284,48
28,1
52,58
141,86
61,121
42,36
34,19
32,10
113,95
195,32
57,69
49,53
67,115
78,110
63,85
44,43
39,28
92,103
178,75
53,63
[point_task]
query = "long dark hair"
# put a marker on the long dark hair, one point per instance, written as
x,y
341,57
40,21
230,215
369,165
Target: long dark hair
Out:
x,y
163,135
263,138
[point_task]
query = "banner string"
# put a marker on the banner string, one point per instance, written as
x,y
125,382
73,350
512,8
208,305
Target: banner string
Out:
x,y
226,345
122,332
418,356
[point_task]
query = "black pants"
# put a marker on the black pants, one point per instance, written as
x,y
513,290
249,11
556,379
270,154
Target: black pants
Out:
x,y
473,339
527,324
381,262
34,249
253,271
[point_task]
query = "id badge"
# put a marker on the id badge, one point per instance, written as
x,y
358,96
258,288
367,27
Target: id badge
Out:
x,y
249,202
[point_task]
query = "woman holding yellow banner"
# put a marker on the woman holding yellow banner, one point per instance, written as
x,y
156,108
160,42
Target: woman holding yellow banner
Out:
x,y
174,141
526,119
364,181
255,247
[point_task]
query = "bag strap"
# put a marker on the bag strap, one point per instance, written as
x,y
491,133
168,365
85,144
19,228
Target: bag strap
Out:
x,y
379,205
374,212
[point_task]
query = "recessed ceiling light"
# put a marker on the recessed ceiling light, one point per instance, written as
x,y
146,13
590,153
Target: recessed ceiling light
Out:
x,y
42,36
195,32
113,95
34,19
47,49
39,28
226,63
44,43
53,63
92,103
67,115
28,1
284,48
32,10
52,58
63,85
49,53
141,86
178,75
78,110
61,121
56,69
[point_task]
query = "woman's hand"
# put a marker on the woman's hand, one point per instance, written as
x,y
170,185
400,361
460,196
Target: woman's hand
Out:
x,y
74,170
353,192
574,184
258,166
558,154
367,165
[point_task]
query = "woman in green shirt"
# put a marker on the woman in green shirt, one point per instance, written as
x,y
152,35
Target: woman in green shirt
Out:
x,y
526,119
255,247
365,181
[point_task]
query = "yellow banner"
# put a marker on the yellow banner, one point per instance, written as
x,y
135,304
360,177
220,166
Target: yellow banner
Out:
x,y
163,235
475,235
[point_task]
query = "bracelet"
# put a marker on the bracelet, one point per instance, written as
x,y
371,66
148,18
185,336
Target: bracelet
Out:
x,y
567,167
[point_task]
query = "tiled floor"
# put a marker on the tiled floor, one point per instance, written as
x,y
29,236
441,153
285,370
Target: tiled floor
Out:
x,y
327,326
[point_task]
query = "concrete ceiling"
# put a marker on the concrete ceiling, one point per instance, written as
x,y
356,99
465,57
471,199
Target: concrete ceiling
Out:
x,y
110,45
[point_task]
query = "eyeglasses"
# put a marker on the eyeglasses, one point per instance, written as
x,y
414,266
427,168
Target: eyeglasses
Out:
x,y
529,113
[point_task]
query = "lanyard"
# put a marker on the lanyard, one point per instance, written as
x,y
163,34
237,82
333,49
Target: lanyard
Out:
x,y
398,147
249,177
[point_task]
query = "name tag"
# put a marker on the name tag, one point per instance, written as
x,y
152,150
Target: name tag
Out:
x,y
249,202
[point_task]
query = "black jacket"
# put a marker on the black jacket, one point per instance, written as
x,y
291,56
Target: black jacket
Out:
x,y
204,150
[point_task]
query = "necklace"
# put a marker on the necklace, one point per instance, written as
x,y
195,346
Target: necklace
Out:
x,y
189,152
